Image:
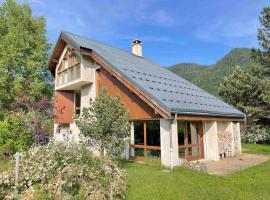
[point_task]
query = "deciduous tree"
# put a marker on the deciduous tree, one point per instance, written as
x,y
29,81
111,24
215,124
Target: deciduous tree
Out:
x,y
23,54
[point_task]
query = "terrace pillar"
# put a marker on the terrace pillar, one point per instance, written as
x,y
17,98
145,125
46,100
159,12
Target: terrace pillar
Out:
x,y
169,142
211,141
237,138
132,139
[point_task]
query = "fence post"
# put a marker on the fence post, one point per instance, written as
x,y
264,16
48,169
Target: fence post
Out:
x,y
17,158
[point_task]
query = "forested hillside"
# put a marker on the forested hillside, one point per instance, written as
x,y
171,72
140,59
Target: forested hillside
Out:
x,y
209,77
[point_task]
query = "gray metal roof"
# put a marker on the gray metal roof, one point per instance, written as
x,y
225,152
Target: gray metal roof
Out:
x,y
170,91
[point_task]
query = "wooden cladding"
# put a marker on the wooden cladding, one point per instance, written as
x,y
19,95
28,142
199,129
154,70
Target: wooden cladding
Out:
x,y
69,68
70,59
137,108
63,107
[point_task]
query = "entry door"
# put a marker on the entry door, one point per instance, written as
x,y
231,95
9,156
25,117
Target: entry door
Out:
x,y
190,140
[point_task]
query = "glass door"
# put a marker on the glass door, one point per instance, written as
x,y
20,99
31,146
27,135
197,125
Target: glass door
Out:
x,y
190,140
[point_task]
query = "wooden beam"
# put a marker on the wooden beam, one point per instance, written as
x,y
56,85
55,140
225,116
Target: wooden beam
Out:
x,y
207,118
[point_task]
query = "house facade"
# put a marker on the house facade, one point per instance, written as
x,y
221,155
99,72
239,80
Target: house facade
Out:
x,y
170,118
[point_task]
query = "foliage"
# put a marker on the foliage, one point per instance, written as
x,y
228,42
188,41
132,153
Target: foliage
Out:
x,y
262,55
27,120
5,165
105,122
15,135
25,83
247,92
23,54
65,172
209,77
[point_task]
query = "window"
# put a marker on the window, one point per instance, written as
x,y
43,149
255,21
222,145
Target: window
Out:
x,y
153,133
146,139
77,102
139,132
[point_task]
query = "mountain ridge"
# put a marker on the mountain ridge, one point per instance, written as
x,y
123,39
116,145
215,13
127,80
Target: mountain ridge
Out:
x,y
209,77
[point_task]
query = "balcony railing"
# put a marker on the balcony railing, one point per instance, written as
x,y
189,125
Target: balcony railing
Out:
x,y
69,74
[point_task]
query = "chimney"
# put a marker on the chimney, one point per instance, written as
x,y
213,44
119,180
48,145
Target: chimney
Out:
x,y
137,47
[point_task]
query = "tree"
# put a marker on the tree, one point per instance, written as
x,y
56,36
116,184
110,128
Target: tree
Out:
x,y
23,54
25,83
250,91
262,55
105,122
247,91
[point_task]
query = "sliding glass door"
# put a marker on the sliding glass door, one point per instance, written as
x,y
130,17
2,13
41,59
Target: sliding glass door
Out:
x,y
190,140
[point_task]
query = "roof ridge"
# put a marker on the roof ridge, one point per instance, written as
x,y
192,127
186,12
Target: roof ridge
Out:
x,y
109,45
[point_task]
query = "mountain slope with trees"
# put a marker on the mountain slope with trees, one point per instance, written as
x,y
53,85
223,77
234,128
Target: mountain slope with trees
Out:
x,y
209,77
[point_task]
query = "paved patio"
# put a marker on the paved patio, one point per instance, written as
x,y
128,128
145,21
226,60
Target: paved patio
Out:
x,y
228,166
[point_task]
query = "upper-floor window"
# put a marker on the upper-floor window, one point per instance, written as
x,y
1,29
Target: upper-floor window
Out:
x,y
69,68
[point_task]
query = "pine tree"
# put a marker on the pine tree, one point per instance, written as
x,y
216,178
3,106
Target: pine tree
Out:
x,y
262,55
247,92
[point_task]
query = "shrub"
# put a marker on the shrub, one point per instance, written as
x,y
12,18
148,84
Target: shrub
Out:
x,y
14,134
256,134
66,172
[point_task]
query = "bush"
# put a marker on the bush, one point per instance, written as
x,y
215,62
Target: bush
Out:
x,y
66,172
256,134
14,134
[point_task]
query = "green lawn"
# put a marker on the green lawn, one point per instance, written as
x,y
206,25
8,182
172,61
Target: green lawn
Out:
x,y
150,181
256,148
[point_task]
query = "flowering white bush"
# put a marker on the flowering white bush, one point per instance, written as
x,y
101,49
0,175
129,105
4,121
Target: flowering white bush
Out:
x,y
66,172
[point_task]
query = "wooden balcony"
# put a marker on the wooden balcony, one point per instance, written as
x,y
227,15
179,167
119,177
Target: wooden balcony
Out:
x,y
73,77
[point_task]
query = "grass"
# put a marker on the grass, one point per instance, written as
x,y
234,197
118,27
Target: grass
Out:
x,y
150,181
256,148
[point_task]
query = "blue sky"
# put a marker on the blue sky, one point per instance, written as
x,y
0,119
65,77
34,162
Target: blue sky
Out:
x,y
200,31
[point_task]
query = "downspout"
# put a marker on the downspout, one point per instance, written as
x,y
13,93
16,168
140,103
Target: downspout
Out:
x,y
171,142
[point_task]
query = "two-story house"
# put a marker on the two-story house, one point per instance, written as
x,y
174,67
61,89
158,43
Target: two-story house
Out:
x,y
170,117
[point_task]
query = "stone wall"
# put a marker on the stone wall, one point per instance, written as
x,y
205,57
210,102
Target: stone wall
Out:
x,y
225,139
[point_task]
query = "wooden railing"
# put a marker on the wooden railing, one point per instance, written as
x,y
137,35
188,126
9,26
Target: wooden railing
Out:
x,y
69,74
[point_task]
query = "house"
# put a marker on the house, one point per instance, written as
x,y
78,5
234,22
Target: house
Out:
x,y
170,117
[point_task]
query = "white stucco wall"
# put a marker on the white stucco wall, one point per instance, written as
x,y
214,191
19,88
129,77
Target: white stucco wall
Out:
x,y
237,138
168,129
132,139
87,93
211,140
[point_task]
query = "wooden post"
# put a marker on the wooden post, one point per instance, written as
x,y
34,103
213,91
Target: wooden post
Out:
x,y
17,158
145,139
111,190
